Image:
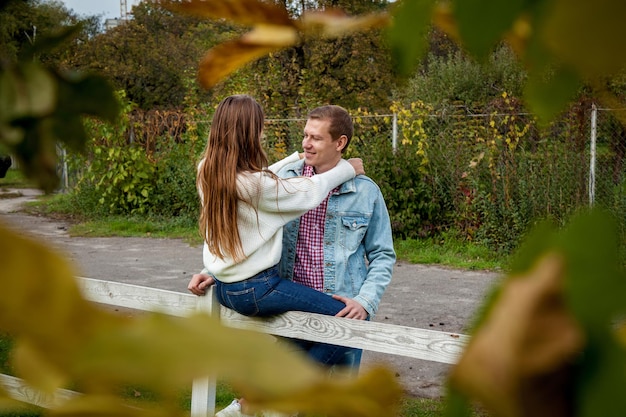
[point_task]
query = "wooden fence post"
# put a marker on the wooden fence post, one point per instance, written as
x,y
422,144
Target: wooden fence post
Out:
x,y
203,389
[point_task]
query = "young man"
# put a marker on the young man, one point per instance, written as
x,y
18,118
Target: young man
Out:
x,y
343,247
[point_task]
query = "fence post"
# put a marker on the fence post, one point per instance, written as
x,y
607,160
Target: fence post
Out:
x,y
592,156
65,177
394,132
203,389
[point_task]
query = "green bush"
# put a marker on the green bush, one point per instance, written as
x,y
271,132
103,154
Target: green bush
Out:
x,y
120,175
458,79
124,178
415,208
83,201
175,193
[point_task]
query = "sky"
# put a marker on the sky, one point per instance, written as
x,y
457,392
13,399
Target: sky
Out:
x,y
110,8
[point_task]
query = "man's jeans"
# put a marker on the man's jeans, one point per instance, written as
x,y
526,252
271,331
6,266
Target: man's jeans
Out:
x,y
267,294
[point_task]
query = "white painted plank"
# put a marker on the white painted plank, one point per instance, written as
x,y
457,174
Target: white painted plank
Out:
x,y
386,338
19,390
137,297
392,339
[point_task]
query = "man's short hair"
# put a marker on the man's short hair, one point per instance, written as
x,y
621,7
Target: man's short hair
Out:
x,y
340,121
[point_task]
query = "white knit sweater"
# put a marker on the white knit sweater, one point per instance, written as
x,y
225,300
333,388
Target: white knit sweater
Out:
x,y
277,202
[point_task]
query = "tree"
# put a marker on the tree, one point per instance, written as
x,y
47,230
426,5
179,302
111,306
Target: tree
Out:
x,y
353,70
41,103
458,79
22,22
154,56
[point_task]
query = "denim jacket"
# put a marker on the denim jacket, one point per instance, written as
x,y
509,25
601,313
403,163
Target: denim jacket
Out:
x,y
357,228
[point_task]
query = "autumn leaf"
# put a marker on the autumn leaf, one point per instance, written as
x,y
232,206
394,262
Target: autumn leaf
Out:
x,y
10,406
563,44
548,342
529,335
332,23
371,396
268,374
227,57
41,106
493,17
108,405
575,29
29,91
443,18
41,306
272,29
407,35
244,12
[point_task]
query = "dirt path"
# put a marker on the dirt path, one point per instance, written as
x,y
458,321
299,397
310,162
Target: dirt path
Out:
x,y
422,296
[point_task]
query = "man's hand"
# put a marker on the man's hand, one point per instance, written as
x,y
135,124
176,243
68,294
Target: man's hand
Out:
x,y
357,164
199,283
353,310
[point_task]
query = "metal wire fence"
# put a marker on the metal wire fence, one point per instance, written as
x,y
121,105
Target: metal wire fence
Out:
x,y
607,187
489,177
486,177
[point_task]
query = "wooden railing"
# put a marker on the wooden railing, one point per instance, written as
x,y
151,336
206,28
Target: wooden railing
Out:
x,y
391,339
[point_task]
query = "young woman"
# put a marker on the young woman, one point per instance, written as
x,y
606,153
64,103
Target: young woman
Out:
x,y
244,207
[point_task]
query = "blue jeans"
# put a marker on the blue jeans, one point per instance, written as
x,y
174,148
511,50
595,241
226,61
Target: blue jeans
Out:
x,y
350,359
267,294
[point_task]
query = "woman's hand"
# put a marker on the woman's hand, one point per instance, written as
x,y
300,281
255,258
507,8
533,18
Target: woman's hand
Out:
x,y
199,283
357,164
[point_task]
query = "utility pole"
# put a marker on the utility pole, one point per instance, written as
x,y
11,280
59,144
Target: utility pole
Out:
x,y
123,10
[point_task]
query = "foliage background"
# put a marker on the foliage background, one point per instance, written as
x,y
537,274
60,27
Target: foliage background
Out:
x,y
484,177
471,164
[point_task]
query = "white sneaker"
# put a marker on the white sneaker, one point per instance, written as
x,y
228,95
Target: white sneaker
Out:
x,y
233,410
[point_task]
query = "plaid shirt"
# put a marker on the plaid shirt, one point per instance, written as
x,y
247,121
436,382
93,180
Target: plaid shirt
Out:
x,y
309,262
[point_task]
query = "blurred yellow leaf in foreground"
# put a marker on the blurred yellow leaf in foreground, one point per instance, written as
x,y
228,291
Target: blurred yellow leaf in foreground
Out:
x,y
272,29
526,343
61,338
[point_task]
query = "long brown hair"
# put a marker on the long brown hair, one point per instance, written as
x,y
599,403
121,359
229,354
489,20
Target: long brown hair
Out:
x,y
234,146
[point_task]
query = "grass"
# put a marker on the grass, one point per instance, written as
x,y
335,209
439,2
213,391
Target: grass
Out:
x,y
5,348
124,226
15,179
449,251
445,250
61,206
